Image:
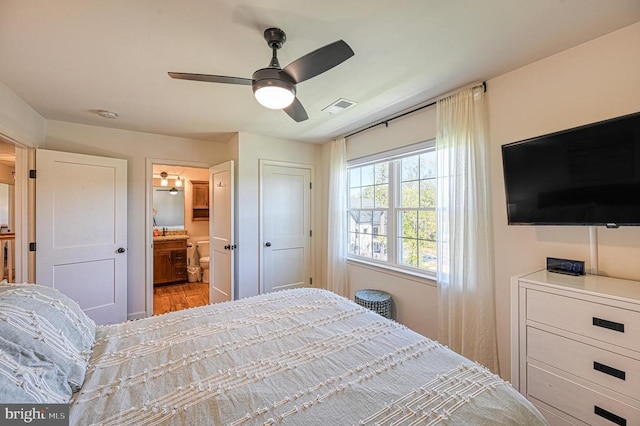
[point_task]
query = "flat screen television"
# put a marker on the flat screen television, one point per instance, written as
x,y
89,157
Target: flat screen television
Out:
x,y
587,175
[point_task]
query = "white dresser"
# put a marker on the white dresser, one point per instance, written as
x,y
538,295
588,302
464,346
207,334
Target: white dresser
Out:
x,y
575,347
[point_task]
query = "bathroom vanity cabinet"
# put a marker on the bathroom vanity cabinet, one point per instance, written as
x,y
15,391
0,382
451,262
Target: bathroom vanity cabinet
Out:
x,y
169,261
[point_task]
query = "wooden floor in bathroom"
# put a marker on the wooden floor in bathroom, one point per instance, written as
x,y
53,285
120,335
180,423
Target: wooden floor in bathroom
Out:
x,y
175,297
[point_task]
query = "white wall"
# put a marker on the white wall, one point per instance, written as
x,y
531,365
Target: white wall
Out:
x,y
135,147
251,149
595,81
18,121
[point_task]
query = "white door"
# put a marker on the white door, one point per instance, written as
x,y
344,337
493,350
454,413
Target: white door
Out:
x,y
286,226
81,231
221,233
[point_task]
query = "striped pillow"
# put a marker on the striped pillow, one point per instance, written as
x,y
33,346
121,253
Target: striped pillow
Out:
x,y
49,323
26,377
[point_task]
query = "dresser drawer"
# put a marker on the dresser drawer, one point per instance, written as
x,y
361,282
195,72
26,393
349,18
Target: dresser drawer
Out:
x,y
554,419
607,323
611,370
577,401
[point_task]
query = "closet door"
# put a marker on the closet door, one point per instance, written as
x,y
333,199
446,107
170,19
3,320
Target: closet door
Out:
x,y
81,231
285,212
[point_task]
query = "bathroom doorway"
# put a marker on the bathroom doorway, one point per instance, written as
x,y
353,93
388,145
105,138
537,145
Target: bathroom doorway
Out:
x,y
179,228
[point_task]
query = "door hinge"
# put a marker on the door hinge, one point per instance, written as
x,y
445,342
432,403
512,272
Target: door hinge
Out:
x,y
32,246
33,174
310,185
310,280
310,233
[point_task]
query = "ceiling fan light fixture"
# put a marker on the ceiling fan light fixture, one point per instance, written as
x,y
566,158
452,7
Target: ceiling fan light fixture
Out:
x,y
274,97
272,89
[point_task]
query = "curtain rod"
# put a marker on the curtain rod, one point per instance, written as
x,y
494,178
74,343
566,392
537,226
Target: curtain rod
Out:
x,y
430,104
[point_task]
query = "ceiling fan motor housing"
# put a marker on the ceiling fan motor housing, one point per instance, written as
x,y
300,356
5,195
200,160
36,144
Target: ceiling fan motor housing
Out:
x,y
272,77
274,37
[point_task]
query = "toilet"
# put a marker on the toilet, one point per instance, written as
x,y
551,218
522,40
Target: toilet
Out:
x,y
203,251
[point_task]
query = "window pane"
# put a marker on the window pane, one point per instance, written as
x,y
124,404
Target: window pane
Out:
x,y
354,177
427,193
409,194
427,225
428,165
367,197
365,245
379,223
409,252
380,248
382,196
409,224
367,175
410,168
354,243
382,173
355,201
427,259
365,222
353,218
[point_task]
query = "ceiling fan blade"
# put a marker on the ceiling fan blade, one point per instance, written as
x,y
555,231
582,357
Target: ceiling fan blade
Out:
x,y
211,78
296,111
318,61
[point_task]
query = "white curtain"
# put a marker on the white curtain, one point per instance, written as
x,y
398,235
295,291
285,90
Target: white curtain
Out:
x,y
337,224
465,236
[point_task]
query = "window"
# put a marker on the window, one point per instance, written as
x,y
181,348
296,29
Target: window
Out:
x,y
391,210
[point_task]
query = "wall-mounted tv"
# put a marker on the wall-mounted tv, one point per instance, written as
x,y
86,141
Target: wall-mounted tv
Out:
x,y
588,175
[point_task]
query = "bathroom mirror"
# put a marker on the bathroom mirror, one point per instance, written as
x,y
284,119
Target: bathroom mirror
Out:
x,y
168,208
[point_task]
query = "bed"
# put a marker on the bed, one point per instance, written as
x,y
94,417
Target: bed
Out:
x,y
297,357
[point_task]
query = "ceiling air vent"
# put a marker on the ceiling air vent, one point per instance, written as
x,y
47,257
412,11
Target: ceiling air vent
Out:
x,y
339,106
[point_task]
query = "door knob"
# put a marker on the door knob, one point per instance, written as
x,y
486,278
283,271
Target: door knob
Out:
x,y
268,244
121,250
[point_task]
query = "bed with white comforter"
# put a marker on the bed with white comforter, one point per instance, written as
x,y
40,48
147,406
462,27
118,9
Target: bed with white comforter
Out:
x,y
298,357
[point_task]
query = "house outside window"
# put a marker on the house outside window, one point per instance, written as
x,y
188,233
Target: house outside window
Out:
x,y
392,210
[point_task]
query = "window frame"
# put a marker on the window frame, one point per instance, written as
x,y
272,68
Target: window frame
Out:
x,y
394,209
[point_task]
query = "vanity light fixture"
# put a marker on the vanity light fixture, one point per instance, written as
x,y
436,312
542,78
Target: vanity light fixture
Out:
x,y
173,191
163,179
178,182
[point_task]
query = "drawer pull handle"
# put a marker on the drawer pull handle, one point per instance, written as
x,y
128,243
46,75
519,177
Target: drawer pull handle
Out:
x,y
615,326
609,416
609,370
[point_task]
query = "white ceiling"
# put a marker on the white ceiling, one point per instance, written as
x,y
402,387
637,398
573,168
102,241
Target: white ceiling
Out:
x,y
68,58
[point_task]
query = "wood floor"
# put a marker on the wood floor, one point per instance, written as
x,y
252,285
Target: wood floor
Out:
x,y
174,297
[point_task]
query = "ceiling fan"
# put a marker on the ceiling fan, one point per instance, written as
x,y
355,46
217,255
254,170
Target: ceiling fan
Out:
x,y
275,87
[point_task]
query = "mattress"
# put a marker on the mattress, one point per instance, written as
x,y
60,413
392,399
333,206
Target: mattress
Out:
x,y
298,357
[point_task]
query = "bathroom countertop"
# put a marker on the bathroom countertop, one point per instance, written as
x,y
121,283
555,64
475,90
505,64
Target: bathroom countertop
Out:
x,y
170,237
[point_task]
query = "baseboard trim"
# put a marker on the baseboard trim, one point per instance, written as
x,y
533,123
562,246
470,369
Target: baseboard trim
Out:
x,y
136,315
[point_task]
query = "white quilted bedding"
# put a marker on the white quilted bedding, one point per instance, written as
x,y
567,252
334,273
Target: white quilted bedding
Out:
x,y
297,357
